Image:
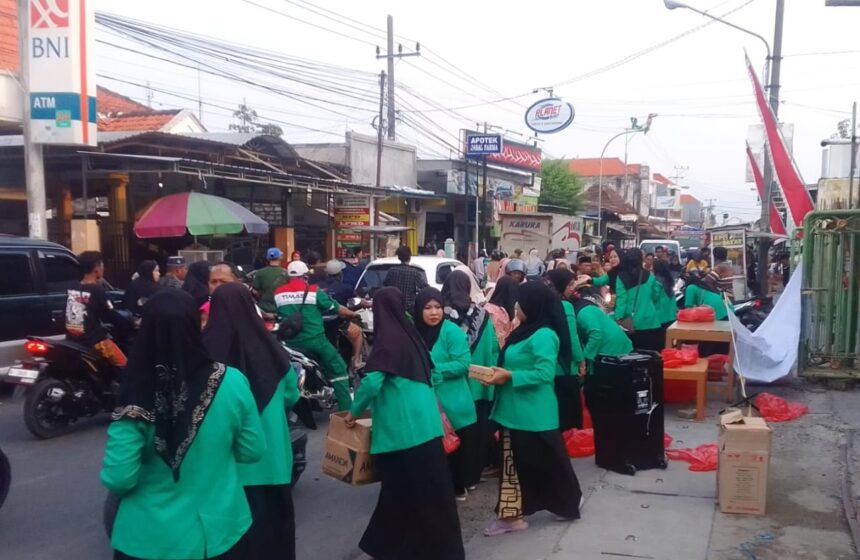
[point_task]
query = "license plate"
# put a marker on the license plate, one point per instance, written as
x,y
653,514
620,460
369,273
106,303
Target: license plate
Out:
x,y
23,375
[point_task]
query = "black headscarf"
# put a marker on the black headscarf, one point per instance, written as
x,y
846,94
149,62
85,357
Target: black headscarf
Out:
x,y
170,379
428,334
586,296
542,308
141,288
505,294
457,292
197,282
237,336
397,347
664,275
631,272
560,279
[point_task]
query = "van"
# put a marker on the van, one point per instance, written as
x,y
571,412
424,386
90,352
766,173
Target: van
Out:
x,y
671,245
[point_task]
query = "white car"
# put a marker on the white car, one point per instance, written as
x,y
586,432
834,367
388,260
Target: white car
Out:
x,y
373,277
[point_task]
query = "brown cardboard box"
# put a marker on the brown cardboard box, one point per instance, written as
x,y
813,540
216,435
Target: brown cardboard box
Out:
x,y
744,459
347,451
480,373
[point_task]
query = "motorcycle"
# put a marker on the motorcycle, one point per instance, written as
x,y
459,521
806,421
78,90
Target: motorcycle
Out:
x,y
752,312
5,477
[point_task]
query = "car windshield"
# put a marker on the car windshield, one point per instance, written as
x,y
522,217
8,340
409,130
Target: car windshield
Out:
x,y
374,276
652,248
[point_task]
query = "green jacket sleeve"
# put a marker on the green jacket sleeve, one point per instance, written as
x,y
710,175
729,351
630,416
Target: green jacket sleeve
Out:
x,y
126,439
657,291
456,349
249,442
575,344
600,281
587,323
367,391
291,391
622,297
546,355
325,304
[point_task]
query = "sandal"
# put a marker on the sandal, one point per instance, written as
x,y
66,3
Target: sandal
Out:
x,y
501,526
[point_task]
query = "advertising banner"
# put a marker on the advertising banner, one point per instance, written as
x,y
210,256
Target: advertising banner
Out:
x,y
483,144
60,46
519,156
549,115
350,211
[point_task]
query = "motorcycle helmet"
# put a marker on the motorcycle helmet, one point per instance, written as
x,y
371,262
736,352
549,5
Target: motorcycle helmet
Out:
x,y
496,255
334,267
297,268
515,265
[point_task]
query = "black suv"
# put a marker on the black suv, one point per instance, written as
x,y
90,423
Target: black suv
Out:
x,y
34,277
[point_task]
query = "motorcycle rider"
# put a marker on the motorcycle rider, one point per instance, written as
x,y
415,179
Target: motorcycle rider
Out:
x,y
340,291
298,296
88,308
177,268
269,278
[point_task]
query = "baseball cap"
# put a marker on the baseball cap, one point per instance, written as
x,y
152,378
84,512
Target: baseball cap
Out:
x,y
274,253
176,261
297,268
334,266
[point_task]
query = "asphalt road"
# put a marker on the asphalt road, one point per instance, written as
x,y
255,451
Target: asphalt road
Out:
x,y
54,509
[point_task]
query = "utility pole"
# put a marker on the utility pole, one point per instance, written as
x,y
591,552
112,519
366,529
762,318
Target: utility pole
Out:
x,y
391,55
34,164
767,171
379,145
680,173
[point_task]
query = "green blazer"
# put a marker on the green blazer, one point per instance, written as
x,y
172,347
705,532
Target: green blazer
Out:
x,y
205,512
485,353
575,344
696,295
528,402
645,317
667,309
601,334
451,358
404,412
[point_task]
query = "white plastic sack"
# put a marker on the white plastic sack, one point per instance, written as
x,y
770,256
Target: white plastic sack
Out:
x,y
770,352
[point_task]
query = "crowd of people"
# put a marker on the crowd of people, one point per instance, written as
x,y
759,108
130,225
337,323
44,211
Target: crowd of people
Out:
x,y
205,392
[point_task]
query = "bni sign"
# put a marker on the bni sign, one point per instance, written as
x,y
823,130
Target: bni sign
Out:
x,y
60,43
483,144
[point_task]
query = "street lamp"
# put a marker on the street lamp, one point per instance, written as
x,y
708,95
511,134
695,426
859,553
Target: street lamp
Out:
x,y
634,127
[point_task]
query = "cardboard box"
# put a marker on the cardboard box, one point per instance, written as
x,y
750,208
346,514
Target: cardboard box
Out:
x,y
744,460
480,373
347,451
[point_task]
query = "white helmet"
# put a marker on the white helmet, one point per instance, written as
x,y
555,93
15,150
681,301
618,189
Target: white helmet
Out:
x,y
297,268
334,267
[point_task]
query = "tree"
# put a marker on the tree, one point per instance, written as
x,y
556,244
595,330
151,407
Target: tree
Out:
x,y
560,186
249,122
270,129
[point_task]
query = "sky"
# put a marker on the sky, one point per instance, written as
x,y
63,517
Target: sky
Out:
x,y
612,59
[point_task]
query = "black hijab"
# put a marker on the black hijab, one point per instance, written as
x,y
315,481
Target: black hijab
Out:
x,y
542,308
397,347
197,282
505,294
457,291
141,288
632,274
428,334
237,336
170,379
664,275
560,278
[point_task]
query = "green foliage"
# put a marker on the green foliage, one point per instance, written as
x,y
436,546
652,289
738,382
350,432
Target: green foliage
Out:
x,y
249,122
560,186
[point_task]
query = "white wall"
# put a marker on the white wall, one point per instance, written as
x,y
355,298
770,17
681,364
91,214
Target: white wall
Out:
x,y
11,99
399,161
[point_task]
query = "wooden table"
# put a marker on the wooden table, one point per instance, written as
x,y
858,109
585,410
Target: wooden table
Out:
x,y
697,372
716,331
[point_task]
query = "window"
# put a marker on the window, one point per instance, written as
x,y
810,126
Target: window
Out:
x,y
15,275
374,276
61,272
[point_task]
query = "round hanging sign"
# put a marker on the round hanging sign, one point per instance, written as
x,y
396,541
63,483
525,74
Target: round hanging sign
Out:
x,y
549,115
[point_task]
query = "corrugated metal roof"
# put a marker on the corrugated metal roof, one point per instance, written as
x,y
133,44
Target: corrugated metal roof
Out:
x,y
231,138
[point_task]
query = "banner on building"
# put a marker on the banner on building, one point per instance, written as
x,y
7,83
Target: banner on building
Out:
x,y
62,79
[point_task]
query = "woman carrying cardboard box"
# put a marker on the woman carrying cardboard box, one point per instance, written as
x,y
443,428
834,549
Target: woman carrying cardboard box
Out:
x,y
416,515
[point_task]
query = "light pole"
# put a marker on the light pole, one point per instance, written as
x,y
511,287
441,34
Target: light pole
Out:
x,y
772,72
634,127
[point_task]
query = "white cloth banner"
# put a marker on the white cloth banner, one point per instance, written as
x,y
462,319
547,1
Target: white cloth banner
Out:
x,y
770,352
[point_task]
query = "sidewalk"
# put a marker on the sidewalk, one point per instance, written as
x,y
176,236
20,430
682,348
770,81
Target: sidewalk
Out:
x,y
672,514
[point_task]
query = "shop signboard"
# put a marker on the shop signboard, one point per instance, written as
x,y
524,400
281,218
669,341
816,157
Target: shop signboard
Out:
x,y
350,211
62,80
729,238
518,156
483,144
549,115
664,203
526,231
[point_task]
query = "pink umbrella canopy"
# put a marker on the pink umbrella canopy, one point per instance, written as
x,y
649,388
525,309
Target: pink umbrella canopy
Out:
x,y
197,214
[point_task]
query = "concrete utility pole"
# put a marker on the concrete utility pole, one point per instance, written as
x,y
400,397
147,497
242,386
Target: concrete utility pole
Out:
x,y
34,164
391,55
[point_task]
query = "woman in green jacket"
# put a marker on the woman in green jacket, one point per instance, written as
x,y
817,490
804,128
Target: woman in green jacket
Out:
x,y
600,334
416,515
536,474
637,295
567,388
236,336
184,424
449,352
667,309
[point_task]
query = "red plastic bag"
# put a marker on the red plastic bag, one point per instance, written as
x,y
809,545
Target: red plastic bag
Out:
x,y
698,314
579,443
675,357
450,439
701,459
717,366
777,409
667,440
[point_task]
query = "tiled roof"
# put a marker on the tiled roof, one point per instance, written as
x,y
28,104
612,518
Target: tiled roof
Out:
x,y
612,201
659,178
110,102
8,35
688,198
590,167
634,168
141,121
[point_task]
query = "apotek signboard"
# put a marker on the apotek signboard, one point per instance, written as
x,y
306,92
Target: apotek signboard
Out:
x,y
62,82
483,144
549,115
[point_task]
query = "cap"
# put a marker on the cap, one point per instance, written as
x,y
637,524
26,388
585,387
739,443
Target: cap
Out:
x,y
334,266
515,265
176,261
274,253
297,268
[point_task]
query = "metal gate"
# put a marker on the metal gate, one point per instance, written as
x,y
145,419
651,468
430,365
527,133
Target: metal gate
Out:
x,y
830,341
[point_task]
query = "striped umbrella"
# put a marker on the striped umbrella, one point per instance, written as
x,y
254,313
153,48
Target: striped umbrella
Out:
x,y
199,214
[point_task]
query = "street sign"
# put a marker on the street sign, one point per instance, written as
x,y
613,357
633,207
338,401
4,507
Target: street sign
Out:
x,y
483,144
549,115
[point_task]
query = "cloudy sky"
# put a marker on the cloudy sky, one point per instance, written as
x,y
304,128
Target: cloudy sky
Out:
x,y
612,59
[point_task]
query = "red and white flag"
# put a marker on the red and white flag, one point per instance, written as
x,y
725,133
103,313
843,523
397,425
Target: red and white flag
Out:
x,y
776,225
786,174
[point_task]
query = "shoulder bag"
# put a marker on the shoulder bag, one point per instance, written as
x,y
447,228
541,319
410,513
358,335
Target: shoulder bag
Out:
x,y
627,322
292,325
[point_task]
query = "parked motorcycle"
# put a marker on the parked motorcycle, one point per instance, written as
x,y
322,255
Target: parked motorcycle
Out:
x,y
752,312
5,477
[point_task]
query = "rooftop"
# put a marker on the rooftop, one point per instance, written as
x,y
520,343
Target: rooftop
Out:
x,y
612,167
659,178
111,103
8,35
688,198
137,122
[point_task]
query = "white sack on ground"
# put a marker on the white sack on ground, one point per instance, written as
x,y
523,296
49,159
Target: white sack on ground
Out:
x,y
770,352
